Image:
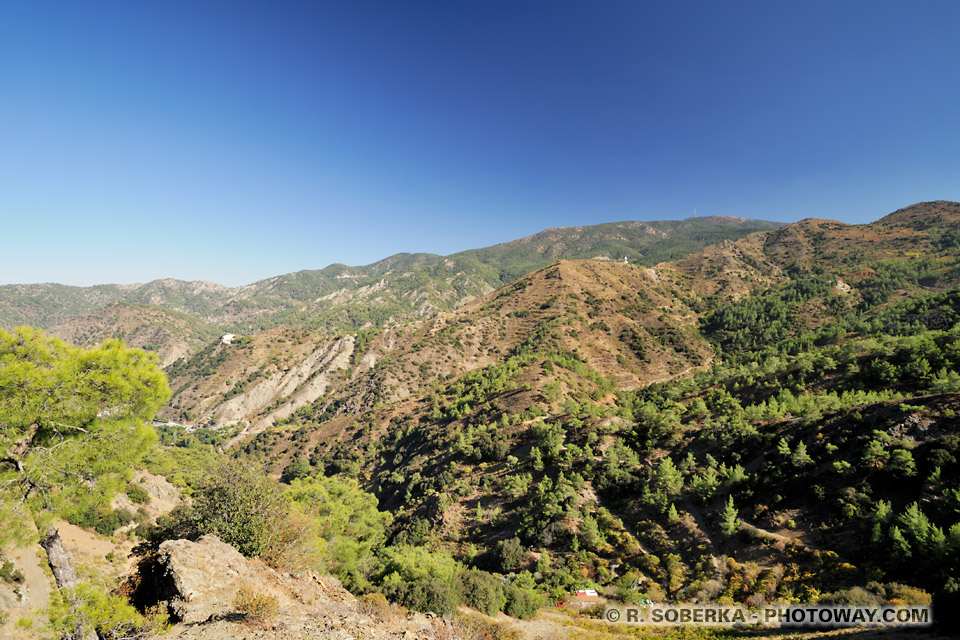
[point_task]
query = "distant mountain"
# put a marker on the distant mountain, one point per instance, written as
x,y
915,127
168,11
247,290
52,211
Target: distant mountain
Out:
x,y
348,373
403,286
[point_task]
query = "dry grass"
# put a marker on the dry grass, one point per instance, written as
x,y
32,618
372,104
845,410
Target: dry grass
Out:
x,y
255,606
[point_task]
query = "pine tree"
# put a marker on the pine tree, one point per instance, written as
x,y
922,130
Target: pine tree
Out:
x,y
71,419
536,459
902,463
95,402
800,457
672,515
946,381
784,448
916,525
543,564
728,519
669,478
899,547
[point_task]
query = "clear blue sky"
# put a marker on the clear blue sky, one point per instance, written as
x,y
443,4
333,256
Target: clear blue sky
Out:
x,y
231,141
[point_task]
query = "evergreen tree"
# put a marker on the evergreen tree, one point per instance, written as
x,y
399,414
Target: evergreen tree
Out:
x,y
899,547
783,448
800,457
946,381
71,425
71,421
901,463
728,518
672,514
916,525
669,478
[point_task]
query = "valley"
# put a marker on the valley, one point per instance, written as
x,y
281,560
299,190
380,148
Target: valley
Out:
x,y
740,412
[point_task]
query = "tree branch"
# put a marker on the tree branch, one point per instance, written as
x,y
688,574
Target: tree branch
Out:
x,y
69,426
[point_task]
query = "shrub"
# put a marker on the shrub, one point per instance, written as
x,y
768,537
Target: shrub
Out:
x,y
243,506
511,554
480,628
253,605
909,595
9,573
522,603
109,521
854,596
420,579
374,605
594,611
297,469
482,591
137,494
247,509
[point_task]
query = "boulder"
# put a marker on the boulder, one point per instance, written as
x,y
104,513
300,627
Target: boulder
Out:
x,y
199,580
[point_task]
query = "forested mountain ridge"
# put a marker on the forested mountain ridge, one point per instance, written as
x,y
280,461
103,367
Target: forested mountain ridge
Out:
x,y
918,233
868,265
799,436
399,287
769,419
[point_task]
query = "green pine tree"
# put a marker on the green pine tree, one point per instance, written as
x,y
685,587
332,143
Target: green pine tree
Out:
x,y
672,514
729,523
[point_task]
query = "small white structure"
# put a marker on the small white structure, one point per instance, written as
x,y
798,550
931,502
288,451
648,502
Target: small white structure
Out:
x,y
585,598
227,338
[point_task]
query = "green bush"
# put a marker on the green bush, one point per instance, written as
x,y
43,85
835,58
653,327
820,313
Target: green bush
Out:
x,y
482,591
907,594
420,579
247,509
103,519
522,603
9,573
298,469
243,506
511,554
137,494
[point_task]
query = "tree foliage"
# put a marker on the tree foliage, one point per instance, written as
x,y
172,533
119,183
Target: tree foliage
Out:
x,y
347,523
71,419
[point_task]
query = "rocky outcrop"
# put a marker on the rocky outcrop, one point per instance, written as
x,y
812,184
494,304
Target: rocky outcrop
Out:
x,y
198,582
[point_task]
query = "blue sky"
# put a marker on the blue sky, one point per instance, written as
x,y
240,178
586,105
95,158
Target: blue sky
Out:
x,y
232,141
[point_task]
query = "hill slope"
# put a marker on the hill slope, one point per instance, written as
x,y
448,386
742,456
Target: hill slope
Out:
x,y
817,452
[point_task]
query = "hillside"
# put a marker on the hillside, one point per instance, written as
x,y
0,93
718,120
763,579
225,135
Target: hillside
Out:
x,y
920,238
769,417
619,318
172,335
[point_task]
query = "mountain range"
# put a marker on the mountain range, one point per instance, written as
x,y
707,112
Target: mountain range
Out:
x,y
739,412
